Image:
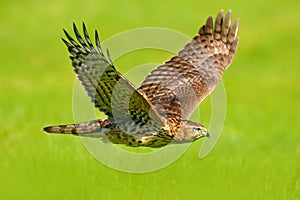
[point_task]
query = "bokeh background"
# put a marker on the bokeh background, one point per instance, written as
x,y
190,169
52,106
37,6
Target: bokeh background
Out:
x,y
257,156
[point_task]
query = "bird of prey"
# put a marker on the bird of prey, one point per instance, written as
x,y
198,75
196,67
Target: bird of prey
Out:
x,y
157,113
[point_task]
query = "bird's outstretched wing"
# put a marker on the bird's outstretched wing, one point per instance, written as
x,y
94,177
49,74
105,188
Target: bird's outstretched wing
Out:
x,y
177,87
111,92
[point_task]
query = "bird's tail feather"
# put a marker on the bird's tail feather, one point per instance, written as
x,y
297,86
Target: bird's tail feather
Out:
x,y
95,126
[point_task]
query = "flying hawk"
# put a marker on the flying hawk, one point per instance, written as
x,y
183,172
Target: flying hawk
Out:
x,y
157,113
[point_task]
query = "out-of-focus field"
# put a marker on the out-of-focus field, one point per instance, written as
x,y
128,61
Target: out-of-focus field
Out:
x,y
257,156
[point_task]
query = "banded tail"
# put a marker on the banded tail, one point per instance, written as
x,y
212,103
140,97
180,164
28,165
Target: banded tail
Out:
x,y
95,126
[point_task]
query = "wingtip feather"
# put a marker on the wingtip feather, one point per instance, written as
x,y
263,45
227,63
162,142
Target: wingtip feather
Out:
x,y
98,44
234,46
233,31
218,25
209,28
226,26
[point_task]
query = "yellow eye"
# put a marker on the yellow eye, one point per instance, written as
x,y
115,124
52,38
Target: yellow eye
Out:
x,y
197,129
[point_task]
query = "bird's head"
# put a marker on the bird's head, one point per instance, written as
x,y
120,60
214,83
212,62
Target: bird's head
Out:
x,y
200,131
191,131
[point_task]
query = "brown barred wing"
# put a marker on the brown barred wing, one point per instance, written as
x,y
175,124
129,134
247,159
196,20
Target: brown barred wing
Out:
x,y
177,87
110,92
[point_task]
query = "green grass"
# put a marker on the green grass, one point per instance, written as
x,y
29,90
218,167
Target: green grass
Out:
x,y
257,156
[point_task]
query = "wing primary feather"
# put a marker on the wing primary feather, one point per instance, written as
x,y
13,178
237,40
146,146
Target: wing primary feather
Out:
x,y
226,27
234,46
98,44
66,43
86,35
218,25
108,56
209,29
233,32
79,38
201,30
73,42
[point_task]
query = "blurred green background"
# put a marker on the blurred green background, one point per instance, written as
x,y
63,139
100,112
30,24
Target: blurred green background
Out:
x,y
257,156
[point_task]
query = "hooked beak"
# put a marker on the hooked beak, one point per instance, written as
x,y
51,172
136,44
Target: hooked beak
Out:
x,y
207,134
